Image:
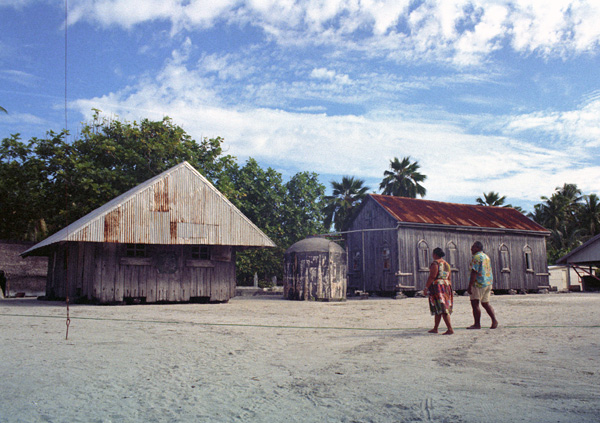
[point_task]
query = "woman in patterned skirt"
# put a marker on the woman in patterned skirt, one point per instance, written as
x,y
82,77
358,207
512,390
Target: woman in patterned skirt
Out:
x,y
439,290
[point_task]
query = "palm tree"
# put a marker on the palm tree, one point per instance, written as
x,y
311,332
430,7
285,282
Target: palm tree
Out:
x,y
561,214
340,206
403,180
492,199
589,215
2,109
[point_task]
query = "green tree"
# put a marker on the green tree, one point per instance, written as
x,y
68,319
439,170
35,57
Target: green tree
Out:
x,y
559,214
588,215
491,199
50,182
341,205
403,179
2,109
285,212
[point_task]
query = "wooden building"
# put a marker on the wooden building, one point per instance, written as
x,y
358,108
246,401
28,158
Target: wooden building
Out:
x,y
390,244
172,238
315,269
20,276
585,260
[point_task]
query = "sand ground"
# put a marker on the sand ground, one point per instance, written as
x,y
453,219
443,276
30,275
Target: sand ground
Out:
x,y
265,359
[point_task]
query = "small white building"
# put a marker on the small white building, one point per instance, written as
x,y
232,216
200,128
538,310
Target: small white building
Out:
x,y
564,278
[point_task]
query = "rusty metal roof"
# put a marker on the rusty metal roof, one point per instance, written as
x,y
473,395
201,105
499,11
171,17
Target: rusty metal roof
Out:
x,y
179,206
412,210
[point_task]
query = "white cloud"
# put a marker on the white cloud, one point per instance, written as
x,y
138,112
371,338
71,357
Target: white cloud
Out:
x,y
460,31
19,77
457,162
327,74
581,127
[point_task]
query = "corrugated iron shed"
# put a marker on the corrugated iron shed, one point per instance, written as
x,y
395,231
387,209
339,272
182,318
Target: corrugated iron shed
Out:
x,y
412,210
179,206
587,253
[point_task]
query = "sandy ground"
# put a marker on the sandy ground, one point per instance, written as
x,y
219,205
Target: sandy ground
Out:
x,y
265,359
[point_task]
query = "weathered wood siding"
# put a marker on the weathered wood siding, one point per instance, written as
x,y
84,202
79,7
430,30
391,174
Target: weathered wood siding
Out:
x,y
366,271
315,276
102,272
411,247
23,275
510,273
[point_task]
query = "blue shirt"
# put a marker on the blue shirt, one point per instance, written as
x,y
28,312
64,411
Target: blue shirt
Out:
x,y
482,265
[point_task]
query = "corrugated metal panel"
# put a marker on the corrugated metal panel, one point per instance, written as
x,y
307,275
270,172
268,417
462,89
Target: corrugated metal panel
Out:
x,y
178,206
412,210
587,253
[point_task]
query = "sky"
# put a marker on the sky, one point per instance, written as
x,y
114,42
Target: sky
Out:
x,y
495,95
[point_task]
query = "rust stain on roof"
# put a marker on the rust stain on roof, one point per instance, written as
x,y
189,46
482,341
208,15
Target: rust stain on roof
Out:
x,y
161,196
412,210
112,222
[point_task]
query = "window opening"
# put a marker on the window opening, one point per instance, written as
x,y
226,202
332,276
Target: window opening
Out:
x,y
356,263
452,258
504,258
385,252
528,258
137,250
200,252
423,255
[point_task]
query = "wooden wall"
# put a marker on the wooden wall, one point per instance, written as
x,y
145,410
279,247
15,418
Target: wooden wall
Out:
x,y
102,272
317,276
23,275
408,271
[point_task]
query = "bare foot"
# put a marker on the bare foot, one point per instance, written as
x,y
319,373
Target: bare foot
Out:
x,y
433,331
474,327
494,325
448,332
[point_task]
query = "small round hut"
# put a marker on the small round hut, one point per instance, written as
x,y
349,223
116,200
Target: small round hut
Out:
x,y
315,269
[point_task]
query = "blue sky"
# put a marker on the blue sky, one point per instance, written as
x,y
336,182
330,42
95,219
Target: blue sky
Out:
x,y
486,95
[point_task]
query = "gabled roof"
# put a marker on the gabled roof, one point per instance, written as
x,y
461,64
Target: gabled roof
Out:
x,y
179,206
412,210
587,253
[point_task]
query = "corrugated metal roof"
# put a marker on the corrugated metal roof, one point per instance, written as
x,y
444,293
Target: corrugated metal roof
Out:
x,y
586,253
412,210
179,206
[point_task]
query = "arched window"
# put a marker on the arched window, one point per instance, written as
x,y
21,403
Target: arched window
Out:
x,y
423,255
385,255
528,258
356,261
452,255
504,258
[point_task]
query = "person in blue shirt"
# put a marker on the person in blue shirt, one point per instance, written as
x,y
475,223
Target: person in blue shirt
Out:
x,y
480,285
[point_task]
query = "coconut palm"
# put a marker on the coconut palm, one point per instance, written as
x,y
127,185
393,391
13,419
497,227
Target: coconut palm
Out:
x,y
492,199
2,109
589,215
341,205
403,179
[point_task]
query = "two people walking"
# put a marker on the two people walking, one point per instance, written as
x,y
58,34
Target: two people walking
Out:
x,y
438,288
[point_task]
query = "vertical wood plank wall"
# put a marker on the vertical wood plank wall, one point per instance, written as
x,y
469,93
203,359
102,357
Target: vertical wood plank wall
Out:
x,y
101,273
406,270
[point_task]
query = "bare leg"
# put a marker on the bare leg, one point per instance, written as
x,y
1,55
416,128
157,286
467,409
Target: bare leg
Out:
x,y
446,317
476,315
436,323
490,311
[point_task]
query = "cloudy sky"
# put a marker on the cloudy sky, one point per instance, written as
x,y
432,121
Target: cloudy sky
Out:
x,y
492,95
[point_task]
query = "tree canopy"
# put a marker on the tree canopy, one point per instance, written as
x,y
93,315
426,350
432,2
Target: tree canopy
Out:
x,y
571,217
491,199
341,204
403,179
48,183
